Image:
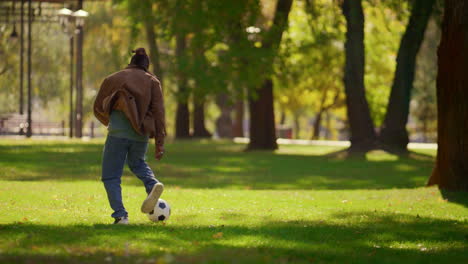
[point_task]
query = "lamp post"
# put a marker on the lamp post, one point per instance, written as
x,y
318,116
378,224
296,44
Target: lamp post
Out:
x,y
72,23
21,61
29,119
79,16
65,20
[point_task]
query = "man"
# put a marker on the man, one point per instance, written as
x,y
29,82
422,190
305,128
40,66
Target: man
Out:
x,y
130,103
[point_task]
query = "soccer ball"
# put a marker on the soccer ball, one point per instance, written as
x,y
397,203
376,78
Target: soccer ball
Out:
x,y
161,211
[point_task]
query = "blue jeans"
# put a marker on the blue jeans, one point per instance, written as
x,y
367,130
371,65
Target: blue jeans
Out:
x,y
116,151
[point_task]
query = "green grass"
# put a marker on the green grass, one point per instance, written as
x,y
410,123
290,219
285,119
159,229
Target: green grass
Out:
x,y
293,206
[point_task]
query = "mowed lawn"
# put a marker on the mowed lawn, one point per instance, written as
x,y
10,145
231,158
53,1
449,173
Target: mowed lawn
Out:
x,y
297,205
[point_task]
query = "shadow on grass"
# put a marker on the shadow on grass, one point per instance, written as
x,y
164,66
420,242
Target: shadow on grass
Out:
x,y
198,164
455,197
371,238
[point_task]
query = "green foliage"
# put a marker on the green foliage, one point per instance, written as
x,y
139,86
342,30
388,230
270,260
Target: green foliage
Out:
x,y
227,51
312,56
309,66
49,67
384,27
205,25
106,49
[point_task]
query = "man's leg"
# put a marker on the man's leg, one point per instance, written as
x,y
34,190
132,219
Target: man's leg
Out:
x,y
137,164
113,161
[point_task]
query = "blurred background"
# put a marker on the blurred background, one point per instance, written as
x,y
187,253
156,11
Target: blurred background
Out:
x,y
214,58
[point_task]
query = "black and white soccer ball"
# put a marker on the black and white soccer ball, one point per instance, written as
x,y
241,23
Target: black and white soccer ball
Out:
x,y
161,211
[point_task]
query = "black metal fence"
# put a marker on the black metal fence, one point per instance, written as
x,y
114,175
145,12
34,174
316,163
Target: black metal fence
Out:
x,y
18,126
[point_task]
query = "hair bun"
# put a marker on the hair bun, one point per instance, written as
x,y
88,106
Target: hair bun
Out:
x,y
139,51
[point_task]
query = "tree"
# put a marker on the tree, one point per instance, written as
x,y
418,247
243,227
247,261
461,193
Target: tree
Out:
x,y
394,136
262,117
451,169
148,14
199,128
308,67
323,108
423,98
182,126
224,121
200,42
152,39
363,136
238,123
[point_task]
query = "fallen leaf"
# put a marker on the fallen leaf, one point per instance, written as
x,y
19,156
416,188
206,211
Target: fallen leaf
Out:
x,y
218,235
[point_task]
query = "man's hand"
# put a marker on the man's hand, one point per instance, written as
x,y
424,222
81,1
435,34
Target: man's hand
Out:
x,y
159,152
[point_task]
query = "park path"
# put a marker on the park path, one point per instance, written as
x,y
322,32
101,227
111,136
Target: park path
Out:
x,y
343,143
244,140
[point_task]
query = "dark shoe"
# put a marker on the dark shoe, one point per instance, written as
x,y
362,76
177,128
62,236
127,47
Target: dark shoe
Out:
x,y
121,220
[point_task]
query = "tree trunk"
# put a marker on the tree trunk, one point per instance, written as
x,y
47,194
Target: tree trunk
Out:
x,y
198,49
199,129
238,126
424,129
328,126
451,168
182,120
394,136
323,109
317,121
262,116
262,119
235,37
282,117
363,136
318,117
154,49
297,126
224,125
182,114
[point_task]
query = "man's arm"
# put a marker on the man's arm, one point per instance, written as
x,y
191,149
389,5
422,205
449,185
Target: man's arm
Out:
x,y
159,119
98,103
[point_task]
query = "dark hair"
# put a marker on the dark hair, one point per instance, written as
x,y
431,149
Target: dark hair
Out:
x,y
140,59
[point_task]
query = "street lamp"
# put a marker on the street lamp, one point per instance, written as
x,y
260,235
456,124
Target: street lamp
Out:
x,y
65,15
253,32
14,34
72,23
80,17
68,18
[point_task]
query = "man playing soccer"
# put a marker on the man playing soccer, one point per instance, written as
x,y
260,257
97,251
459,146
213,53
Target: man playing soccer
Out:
x,y
130,102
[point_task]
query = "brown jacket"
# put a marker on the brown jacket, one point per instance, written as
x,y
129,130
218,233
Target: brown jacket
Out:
x,y
139,95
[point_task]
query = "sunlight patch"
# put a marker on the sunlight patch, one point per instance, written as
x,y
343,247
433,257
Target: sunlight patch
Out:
x,y
380,155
